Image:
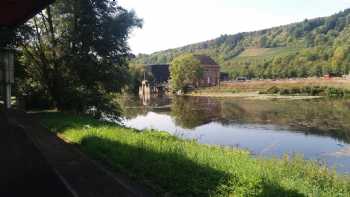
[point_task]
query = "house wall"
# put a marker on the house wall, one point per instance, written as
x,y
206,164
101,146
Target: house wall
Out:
x,y
211,75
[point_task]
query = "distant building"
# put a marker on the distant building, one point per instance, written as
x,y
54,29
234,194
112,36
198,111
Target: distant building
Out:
x,y
155,81
158,73
211,71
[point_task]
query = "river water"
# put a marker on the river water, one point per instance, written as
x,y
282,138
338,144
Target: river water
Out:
x,y
317,129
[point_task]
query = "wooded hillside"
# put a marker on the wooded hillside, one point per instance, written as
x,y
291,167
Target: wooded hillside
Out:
x,y
309,48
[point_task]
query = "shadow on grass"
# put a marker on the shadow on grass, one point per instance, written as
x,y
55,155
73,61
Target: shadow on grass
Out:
x,y
59,122
170,172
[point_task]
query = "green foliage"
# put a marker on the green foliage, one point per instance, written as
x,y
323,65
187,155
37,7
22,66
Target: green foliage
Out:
x,y
175,167
273,90
137,74
309,48
185,70
309,90
78,54
14,37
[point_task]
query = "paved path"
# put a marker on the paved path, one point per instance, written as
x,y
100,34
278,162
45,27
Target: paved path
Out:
x,y
23,169
70,168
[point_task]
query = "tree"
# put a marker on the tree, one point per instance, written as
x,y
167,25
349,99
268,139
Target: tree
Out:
x,y
78,54
137,74
185,70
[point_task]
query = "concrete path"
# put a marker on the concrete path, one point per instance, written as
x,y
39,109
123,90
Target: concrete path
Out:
x,y
23,169
70,169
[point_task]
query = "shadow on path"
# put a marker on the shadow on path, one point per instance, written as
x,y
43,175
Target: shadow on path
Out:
x,y
23,169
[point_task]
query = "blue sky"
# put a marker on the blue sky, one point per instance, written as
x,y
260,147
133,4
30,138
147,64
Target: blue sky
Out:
x,y
175,23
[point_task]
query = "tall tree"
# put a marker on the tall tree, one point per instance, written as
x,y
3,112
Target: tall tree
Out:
x,y
78,54
185,70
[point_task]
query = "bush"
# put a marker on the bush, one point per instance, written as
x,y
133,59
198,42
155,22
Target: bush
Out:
x,y
273,90
285,91
295,90
335,92
317,90
307,90
37,100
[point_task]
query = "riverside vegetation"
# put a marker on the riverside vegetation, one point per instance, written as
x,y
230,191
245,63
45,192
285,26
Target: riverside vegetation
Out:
x,y
175,167
303,88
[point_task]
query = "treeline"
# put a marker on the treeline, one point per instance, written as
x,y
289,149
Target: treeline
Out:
x,y
322,48
314,62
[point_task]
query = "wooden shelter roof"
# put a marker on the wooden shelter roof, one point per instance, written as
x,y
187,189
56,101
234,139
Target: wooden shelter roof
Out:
x,y
16,12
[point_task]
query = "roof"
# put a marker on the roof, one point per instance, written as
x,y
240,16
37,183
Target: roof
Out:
x,y
16,12
205,60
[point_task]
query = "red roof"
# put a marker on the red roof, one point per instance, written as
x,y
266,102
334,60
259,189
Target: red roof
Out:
x,y
16,12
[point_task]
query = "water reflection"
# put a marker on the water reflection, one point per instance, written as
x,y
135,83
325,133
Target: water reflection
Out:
x,y
318,129
320,117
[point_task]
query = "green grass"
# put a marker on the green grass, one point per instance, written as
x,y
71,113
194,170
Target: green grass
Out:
x,y
174,167
257,56
267,52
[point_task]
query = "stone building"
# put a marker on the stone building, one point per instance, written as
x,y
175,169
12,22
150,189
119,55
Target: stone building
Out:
x,y
211,71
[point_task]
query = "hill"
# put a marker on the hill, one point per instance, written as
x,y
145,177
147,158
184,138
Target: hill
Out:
x,y
308,48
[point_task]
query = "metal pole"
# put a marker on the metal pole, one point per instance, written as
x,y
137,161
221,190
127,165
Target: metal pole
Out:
x,y
7,78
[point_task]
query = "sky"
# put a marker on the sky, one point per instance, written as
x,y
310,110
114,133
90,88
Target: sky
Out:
x,y
175,23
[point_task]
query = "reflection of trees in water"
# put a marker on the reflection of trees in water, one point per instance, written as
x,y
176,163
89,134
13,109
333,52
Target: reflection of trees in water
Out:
x,y
321,117
133,106
191,112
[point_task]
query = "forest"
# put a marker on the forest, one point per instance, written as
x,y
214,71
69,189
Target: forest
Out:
x,y
313,47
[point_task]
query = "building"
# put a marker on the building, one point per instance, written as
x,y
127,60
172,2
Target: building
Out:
x,y
157,76
158,73
211,71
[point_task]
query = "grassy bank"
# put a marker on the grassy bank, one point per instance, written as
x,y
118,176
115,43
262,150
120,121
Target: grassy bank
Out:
x,y
297,87
174,167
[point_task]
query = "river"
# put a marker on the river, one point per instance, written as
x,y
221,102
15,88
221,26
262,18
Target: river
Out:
x,y
317,129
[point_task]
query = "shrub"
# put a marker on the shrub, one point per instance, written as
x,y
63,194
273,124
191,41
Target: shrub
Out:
x,y
273,90
285,91
317,90
334,92
307,90
295,90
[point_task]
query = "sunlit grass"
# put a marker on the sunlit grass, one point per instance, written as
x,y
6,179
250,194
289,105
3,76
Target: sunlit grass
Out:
x,y
262,85
175,167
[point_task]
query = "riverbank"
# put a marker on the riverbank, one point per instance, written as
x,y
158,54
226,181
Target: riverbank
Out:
x,y
250,95
175,167
295,89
